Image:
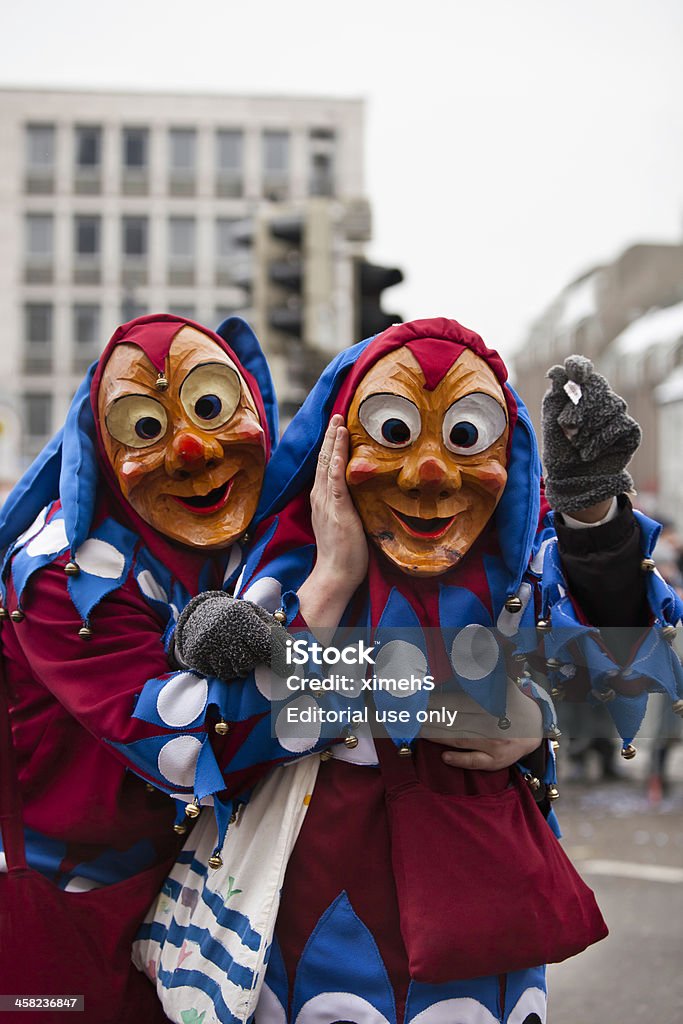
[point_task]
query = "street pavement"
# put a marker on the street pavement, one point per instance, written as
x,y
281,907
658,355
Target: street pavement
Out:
x,y
630,852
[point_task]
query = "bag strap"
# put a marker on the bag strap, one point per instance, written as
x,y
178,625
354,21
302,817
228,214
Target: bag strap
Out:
x,y
396,769
11,820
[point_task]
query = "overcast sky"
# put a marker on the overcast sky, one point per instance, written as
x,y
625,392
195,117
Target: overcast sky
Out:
x,y
510,143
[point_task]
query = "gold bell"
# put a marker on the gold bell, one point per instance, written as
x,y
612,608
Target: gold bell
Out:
x,y
677,707
193,810
543,626
557,693
513,604
161,383
280,615
85,632
405,751
180,829
533,783
350,741
504,722
215,860
669,633
325,755
233,817
71,569
149,787
17,615
628,752
553,792
553,663
648,565
555,745
222,728
4,614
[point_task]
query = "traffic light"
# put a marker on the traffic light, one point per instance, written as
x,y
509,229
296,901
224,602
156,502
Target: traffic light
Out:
x,y
285,275
370,282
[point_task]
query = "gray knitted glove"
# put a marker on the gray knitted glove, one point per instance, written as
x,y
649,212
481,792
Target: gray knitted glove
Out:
x,y
224,637
588,437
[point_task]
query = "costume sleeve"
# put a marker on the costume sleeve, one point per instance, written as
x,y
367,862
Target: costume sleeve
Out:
x,y
118,687
602,565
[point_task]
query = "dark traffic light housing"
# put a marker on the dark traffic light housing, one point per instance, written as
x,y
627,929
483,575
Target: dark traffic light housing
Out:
x,y
370,282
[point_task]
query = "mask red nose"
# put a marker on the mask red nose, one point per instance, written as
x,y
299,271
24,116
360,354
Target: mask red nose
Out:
x,y
188,448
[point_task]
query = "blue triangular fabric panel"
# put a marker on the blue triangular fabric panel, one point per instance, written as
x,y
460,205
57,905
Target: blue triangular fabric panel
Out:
x,y
244,344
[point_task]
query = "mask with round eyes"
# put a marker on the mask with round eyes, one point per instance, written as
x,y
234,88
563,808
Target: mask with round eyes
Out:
x,y
427,467
188,459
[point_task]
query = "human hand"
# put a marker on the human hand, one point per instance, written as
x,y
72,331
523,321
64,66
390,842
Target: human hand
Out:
x,y
588,438
342,548
487,755
342,553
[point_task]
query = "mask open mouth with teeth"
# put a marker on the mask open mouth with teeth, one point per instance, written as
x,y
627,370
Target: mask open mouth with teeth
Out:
x,y
428,454
189,455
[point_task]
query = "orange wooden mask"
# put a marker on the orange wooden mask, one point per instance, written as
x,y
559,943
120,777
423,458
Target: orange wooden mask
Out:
x,y
427,468
189,459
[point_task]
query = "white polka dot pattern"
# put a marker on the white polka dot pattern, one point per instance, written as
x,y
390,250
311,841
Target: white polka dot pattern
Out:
x,y
339,1006
267,592
298,737
182,699
397,664
533,1000
101,559
272,686
49,541
150,587
475,652
456,1011
178,759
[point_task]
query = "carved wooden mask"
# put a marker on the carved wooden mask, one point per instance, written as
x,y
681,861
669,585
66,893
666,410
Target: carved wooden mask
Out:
x,y
189,459
427,467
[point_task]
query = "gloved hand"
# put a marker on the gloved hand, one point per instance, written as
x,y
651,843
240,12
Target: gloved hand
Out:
x,y
224,637
588,437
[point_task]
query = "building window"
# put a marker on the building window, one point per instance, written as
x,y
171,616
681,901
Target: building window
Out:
x,y
276,165
87,249
87,236
37,337
135,160
135,144
181,250
321,148
231,259
40,158
134,237
182,159
39,247
134,250
229,163
86,335
131,309
88,158
37,422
